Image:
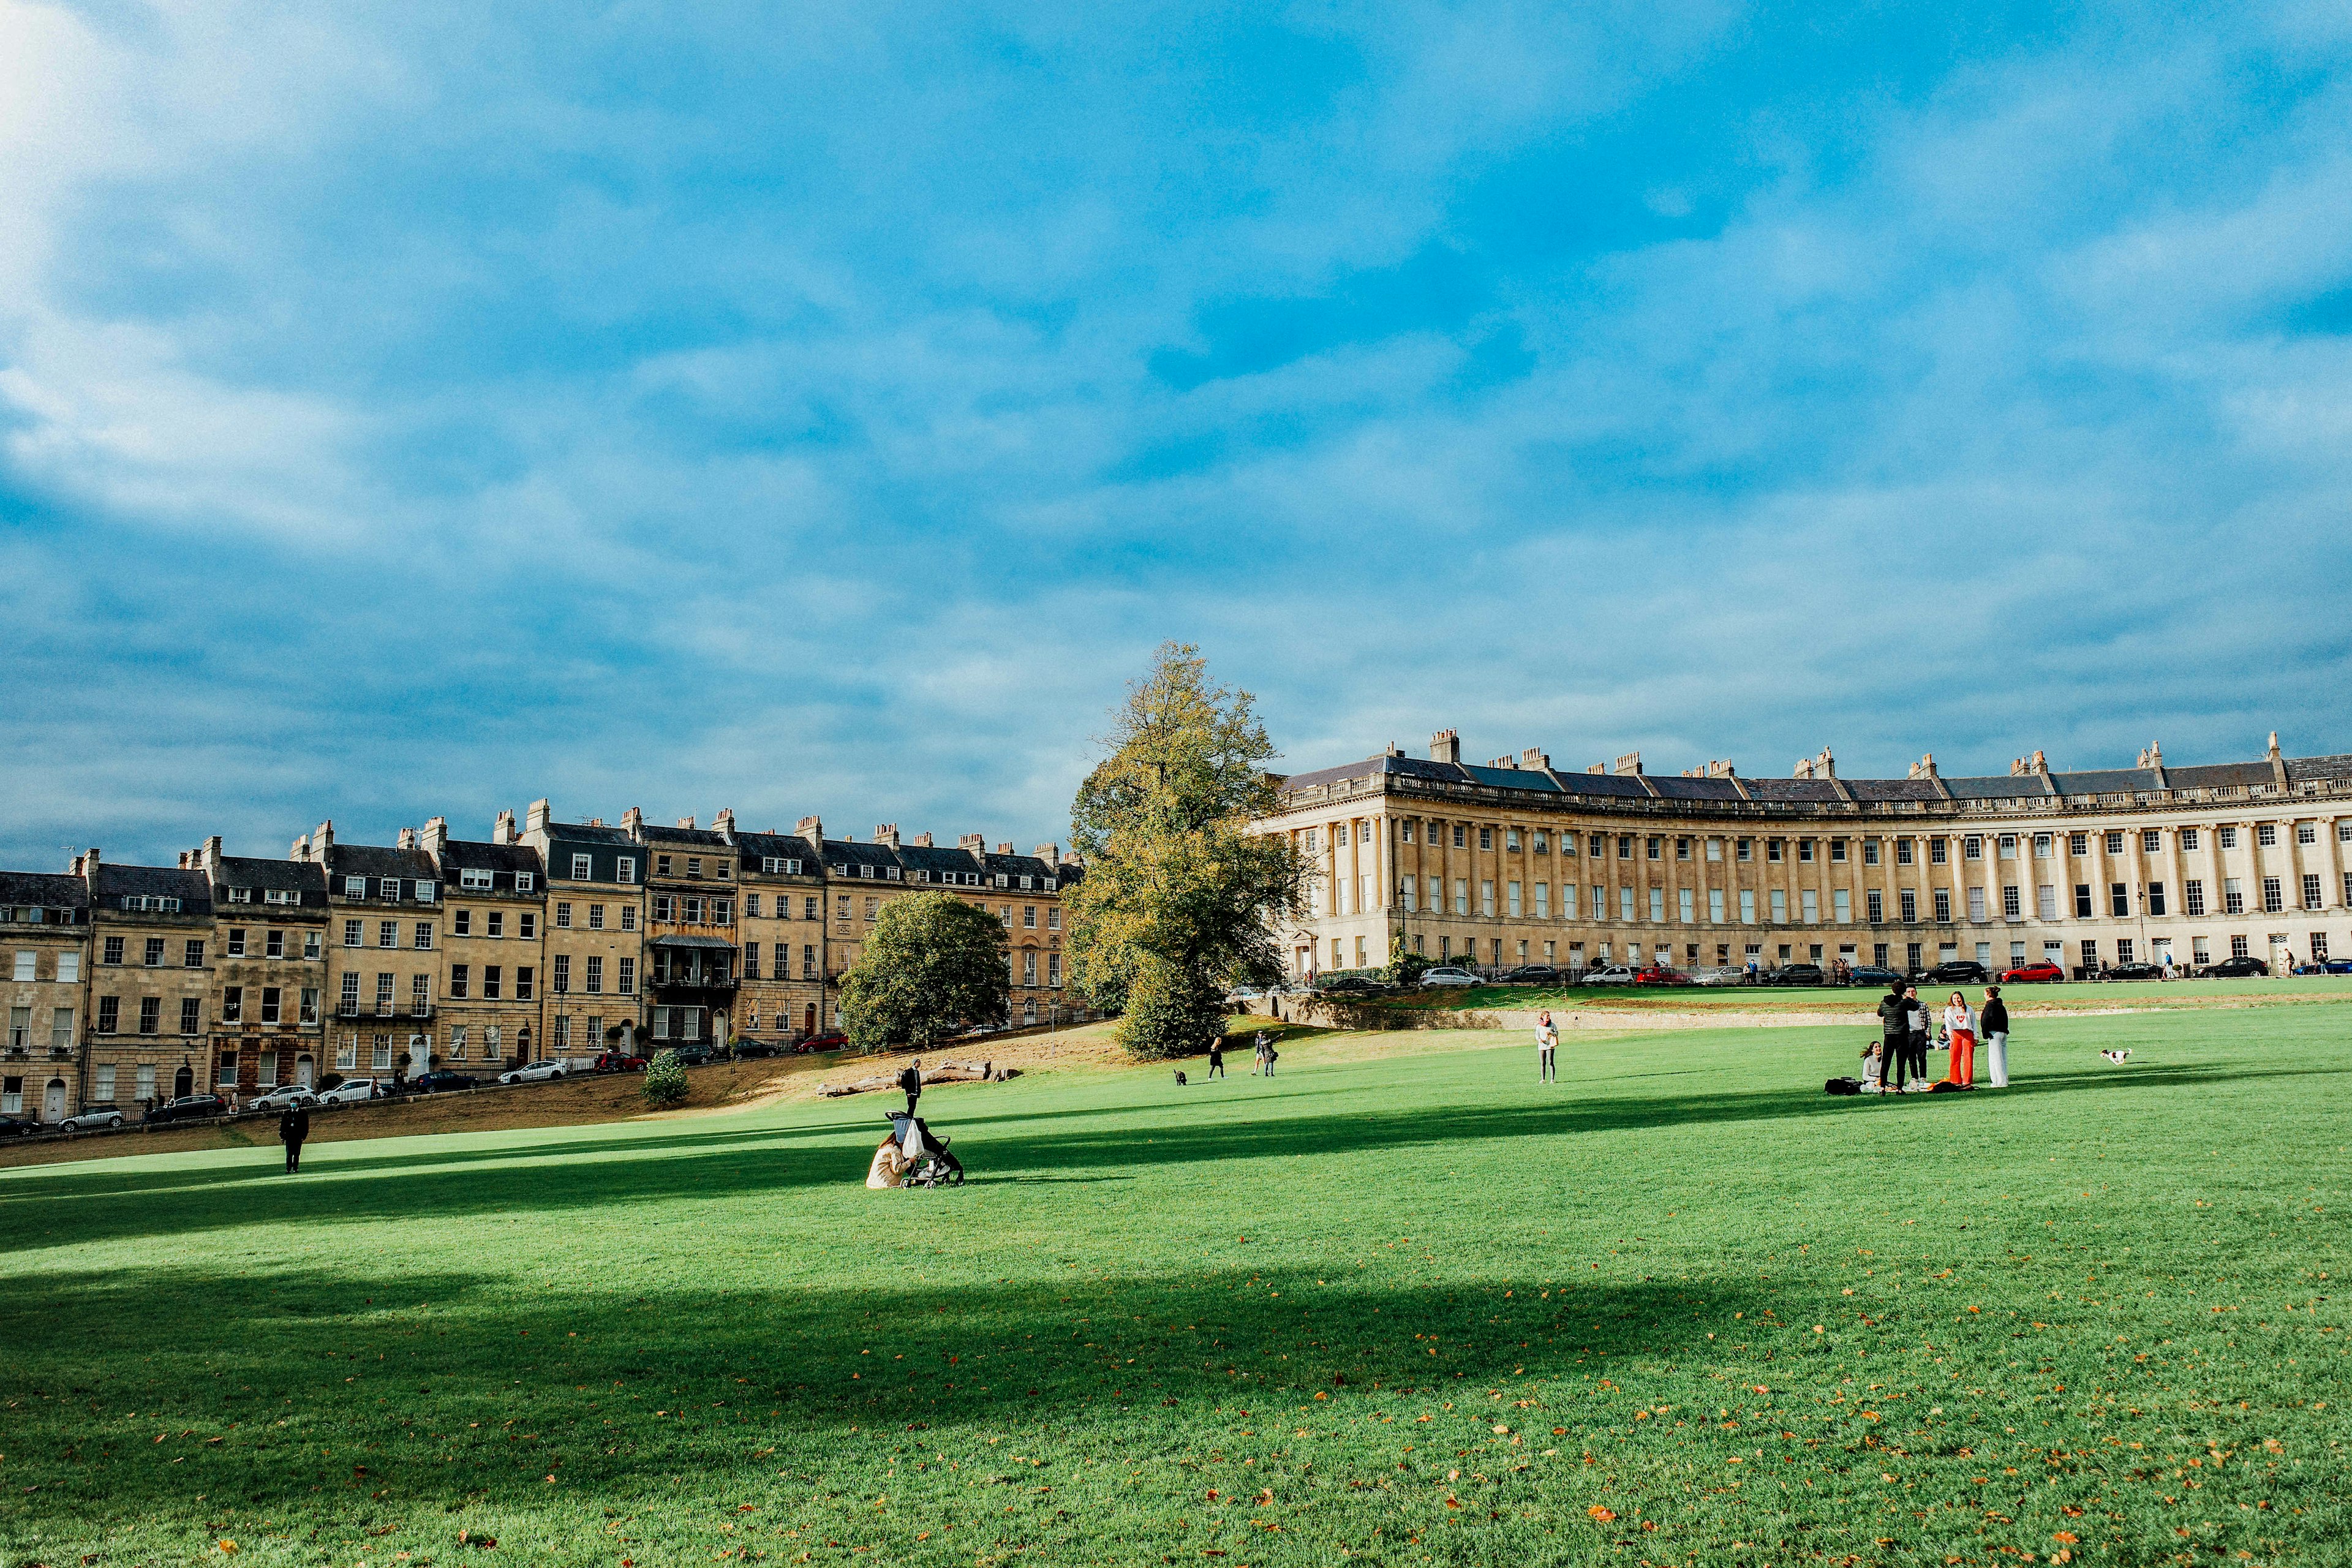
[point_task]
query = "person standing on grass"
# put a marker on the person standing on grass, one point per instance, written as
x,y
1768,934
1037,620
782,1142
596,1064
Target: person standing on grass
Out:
x,y
1960,1028
910,1083
1547,1043
1216,1059
1921,1027
1996,1037
293,1128
1264,1066
1893,1035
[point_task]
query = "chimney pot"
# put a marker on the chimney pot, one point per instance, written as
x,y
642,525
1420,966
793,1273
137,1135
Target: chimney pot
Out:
x,y
1004,849
812,829
922,841
686,822
1050,853
536,815
976,843
1629,765
1445,746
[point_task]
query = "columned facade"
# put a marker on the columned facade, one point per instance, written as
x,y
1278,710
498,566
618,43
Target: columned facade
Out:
x,y
1518,862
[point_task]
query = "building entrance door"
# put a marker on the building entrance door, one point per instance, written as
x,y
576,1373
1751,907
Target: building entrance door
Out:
x,y
53,1103
808,1020
183,1083
304,1069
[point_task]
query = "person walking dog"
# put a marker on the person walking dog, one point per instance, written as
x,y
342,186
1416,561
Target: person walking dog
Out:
x,y
293,1128
1995,1019
1547,1043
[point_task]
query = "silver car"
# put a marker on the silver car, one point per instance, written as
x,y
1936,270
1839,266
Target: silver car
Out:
x,y
92,1119
350,1092
1449,976
535,1072
288,1097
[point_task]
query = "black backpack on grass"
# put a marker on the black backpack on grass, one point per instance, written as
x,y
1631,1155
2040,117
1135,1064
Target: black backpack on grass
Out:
x,y
1842,1086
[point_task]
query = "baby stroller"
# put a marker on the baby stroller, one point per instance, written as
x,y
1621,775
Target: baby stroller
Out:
x,y
929,1163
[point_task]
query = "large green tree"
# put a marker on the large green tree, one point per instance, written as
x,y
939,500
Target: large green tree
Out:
x,y
1180,900
932,965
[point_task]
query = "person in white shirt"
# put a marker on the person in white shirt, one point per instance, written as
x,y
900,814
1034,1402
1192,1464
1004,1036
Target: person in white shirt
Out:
x,y
1547,1043
1960,1028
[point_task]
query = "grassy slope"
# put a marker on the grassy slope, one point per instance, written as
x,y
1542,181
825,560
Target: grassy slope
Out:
x,y
1261,1321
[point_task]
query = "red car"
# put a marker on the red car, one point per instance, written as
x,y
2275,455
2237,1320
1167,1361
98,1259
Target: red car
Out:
x,y
619,1061
1658,974
2032,974
831,1042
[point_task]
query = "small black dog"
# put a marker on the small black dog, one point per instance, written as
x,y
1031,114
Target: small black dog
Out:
x,y
1180,1077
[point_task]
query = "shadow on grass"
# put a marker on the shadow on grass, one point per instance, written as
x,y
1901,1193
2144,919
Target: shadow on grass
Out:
x,y
455,1386
70,1208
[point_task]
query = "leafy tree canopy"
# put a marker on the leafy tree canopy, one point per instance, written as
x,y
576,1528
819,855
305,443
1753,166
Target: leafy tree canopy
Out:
x,y
932,965
1180,898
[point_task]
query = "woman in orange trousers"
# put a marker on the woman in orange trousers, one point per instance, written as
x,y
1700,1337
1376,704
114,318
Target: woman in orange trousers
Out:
x,y
1961,1026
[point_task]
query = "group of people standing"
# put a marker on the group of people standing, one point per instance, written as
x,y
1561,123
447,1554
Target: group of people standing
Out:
x,y
1897,1064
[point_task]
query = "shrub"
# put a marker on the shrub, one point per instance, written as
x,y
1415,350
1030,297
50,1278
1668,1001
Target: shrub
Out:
x,y
665,1082
1405,969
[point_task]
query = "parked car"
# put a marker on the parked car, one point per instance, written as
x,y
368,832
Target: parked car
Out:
x,y
746,1050
92,1119
350,1092
1531,974
2337,967
2043,973
2133,972
619,1061
693,1056
1660,975
832,1041
1956,971
2247,968
1795,974
1609,974
285,1097
16,1127
441,1080
1872,974
189,1108
1350,985
534,1072
1449,974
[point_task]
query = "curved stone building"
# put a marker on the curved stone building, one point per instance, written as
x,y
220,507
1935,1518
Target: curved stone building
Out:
x,y
1519,862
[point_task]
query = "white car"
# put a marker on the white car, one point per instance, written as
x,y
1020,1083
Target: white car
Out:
x,y
1447,975
350,1092
94,1119
534,1073
1614,974
286,1098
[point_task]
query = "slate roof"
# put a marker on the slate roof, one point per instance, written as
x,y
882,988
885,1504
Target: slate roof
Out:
x,y
472,854
1893,789
2307,769
688,837
1680,788
1812,792
583,833
193,888
299,875
47,889
754,847
2218,775
2109,781
370,860
1998,786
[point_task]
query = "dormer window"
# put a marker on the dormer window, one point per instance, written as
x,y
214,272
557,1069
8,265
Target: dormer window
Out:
x,y
356,887
1025,884
473,880
281,896
240,895
624,869
526,880
579,867
892,872
1003,879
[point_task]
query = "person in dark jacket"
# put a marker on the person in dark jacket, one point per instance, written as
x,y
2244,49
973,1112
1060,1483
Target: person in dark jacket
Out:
x,y
1922,1031
1995,1019
1216,1059
910,1083
1894,1036
293,1128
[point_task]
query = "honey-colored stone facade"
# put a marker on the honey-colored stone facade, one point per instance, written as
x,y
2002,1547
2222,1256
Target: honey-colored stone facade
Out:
x,y
1517,862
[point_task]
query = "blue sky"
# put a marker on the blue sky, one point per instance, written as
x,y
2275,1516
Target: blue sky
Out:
x,y
417,409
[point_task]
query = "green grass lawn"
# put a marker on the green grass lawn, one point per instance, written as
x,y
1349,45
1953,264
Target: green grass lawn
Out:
x,y
1397,1304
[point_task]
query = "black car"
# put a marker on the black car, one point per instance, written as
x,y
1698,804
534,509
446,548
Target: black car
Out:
x,y
746,1049
1873,975
2133,972
1795,974
189,1108
12,1127
1533,975
1349,985
436,1081
1956,971
693,1056
2235,969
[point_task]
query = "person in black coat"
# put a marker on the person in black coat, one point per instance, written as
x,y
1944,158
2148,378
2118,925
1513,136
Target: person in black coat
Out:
x,y
910,1083
1895,1038
293,1127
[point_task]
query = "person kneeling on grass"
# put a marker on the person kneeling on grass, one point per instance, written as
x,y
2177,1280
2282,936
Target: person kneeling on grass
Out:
x,y
890,1166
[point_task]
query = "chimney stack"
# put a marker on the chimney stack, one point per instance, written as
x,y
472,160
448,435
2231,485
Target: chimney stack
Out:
x,y
1629,765
921,841
324,838
633,822
886,832
1534,757
975,843
1050,853
1004,849
812,829
408,839
301,849
535,815
685,822
503,830
724,823
1445,746
435,838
